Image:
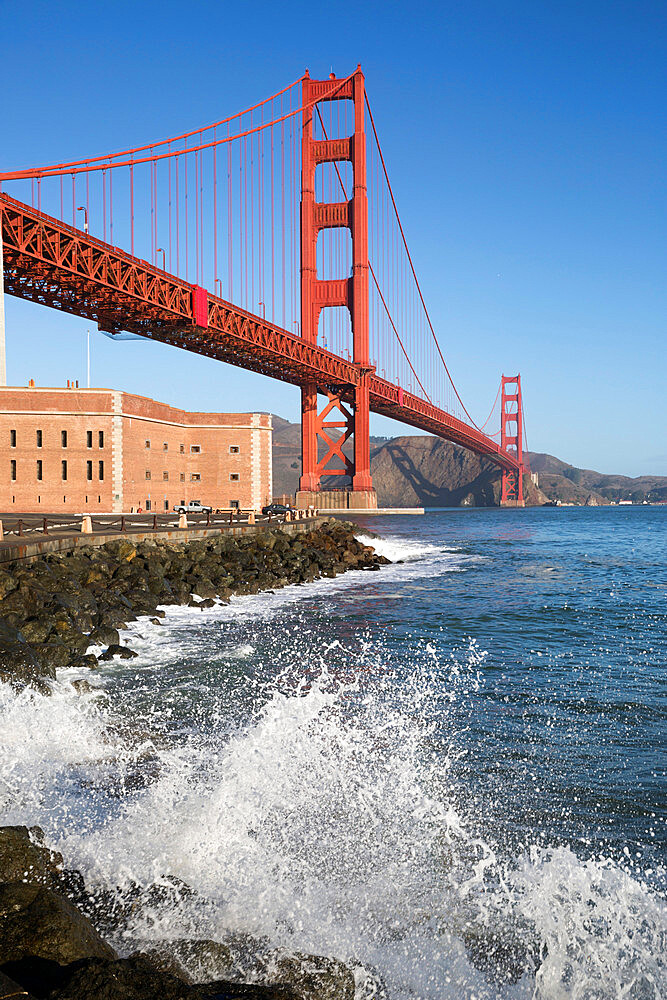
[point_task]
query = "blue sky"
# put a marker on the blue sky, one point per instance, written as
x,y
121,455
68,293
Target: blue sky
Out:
x,y
526,144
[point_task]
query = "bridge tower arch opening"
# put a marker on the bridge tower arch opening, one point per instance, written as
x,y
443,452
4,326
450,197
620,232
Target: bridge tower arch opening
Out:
x,y
349,290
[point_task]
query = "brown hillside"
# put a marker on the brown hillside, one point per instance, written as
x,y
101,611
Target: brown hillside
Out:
x,y
420,471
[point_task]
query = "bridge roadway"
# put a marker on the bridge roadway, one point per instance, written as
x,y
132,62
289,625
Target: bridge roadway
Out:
x,y
58,265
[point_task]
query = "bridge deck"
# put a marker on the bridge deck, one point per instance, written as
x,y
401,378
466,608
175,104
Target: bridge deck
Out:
x,y
58,265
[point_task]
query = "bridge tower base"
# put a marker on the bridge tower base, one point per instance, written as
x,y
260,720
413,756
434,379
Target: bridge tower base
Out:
x,y
346,413
511,439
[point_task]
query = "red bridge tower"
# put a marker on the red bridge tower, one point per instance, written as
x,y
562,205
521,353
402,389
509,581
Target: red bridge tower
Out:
x,y
511,437
348,405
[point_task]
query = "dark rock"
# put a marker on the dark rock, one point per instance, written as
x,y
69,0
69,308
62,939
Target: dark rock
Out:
x,y
75,640
163,961
155,621
123,550
241,957
23,856
8,582
86,662
313,977
82,686
132,978
124,652
9,988
206,603
204,588
52,654
104,635
36,975
37,629
20,666
36,922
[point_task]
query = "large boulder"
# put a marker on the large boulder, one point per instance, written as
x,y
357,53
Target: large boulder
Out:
x,y
23,856
36,922
8,582
97,979
123,550
104,635
37,629
134,978
114,649
241,957
20,665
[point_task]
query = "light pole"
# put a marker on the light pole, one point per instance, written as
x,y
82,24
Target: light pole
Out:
x,y
216,286
82,208
298,328
160,250
263,310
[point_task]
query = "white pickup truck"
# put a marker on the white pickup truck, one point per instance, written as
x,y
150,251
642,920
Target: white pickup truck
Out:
x,y
193,507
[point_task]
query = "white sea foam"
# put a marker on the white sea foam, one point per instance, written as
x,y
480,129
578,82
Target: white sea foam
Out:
x,y
395,548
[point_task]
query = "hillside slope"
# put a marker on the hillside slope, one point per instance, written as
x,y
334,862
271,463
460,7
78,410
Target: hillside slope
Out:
x,y
561,481
424,471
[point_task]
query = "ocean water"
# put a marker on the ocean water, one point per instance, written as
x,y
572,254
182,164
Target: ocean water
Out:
x,y
450,772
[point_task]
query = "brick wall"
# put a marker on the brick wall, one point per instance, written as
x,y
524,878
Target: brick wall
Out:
x,y
153,455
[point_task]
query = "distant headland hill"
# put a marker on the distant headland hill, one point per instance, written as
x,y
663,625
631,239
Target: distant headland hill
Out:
x,y
416,470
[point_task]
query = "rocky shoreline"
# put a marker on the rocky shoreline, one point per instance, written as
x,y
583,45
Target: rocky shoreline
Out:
x,y
53,610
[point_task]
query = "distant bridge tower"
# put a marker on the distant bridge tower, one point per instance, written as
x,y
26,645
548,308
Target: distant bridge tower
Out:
x,y
346,413
511,438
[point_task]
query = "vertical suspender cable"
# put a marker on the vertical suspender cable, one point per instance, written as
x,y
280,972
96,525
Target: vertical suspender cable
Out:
x,y
215,213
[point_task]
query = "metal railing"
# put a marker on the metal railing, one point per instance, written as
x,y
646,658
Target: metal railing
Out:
x,y
29,525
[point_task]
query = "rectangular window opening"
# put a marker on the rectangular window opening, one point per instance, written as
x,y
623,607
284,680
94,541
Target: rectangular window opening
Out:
x,y
12,439
195,449
233,449
234,476
100,470
38,435
39,468
100,438
89,470
13,467
148,473
63,438
89,439
64,470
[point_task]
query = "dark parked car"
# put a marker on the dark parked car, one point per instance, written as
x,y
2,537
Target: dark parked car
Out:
x,y
277,508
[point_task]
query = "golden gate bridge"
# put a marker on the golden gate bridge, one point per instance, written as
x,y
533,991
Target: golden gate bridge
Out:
x,y
270,240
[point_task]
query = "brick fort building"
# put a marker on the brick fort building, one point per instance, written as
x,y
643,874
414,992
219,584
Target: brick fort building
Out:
x,y
99,450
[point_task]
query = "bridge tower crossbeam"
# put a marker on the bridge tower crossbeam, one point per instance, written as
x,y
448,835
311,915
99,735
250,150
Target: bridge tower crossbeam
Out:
x,y
350,292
